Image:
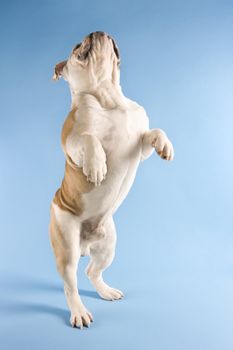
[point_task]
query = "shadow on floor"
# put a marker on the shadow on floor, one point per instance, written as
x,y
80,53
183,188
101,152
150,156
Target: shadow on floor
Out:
x,y
14,286
22,307
89,293
29,285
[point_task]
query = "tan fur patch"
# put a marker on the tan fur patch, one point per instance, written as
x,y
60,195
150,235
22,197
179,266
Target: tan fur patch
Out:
x,y
69,195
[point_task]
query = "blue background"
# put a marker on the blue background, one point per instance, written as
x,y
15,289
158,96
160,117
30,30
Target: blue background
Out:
x,y
174,256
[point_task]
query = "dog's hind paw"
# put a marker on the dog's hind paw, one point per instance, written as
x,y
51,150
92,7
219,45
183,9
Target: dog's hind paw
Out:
x,y
109,293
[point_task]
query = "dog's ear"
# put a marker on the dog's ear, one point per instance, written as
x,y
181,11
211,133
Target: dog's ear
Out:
x,y
58,70
116,50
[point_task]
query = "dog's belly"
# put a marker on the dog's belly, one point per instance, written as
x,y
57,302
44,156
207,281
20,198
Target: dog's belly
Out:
x,y
104,200
123,157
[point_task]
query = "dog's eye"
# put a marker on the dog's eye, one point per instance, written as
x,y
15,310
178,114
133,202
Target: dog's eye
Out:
x,y
77,46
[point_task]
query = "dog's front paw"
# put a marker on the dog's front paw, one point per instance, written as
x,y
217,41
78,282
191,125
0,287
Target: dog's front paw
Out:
x,y
95,169
163,145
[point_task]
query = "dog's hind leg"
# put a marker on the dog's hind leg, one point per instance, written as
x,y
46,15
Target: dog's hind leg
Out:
x,y
65,236
102,253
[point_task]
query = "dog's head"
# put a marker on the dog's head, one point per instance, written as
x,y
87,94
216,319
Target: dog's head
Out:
x,y
92,61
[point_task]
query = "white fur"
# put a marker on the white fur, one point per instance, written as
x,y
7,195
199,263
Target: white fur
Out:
x,y
109,139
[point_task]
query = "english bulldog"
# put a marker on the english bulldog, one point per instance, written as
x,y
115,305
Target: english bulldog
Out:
x,y
104,138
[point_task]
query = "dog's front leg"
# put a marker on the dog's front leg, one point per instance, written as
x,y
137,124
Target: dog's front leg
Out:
x,y
94,159
87,152
158,140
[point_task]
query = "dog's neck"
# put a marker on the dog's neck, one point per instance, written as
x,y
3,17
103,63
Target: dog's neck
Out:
x,y
109,95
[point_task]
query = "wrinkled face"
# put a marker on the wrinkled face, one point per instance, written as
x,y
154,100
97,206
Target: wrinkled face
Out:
x,y
92,61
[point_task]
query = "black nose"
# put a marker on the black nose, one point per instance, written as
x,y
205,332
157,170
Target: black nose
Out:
x,y
98,33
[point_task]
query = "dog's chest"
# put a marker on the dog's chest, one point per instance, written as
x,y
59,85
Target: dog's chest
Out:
x,y
121,133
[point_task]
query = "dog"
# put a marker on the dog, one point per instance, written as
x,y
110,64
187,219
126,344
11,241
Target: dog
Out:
x,y
104,138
